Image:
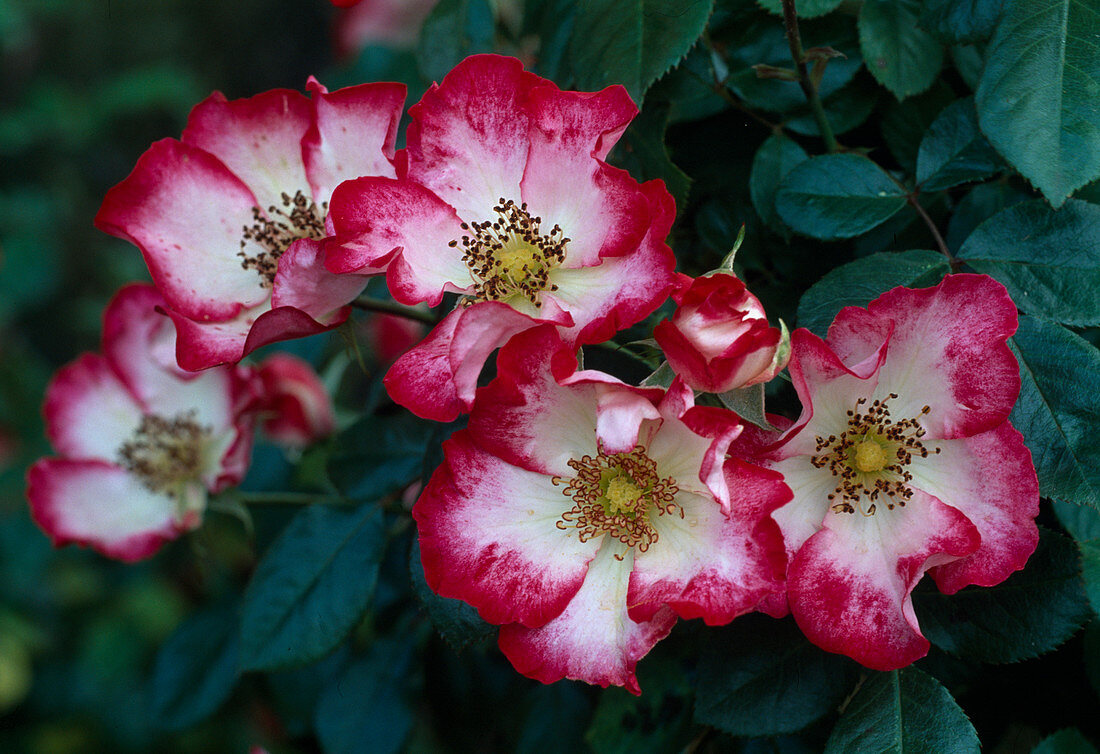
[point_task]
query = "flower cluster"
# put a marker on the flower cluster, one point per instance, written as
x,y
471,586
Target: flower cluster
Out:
x,y
142,442
583,515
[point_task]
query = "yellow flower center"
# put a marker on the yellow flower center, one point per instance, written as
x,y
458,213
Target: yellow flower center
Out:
x,y
511,256
616,495
622,495
870,458
166,454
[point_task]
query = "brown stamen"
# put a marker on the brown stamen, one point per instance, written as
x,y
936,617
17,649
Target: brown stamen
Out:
x,y
511,255
870,458
615,494
164,453
299,218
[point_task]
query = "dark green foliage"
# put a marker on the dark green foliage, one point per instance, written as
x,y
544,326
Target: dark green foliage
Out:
x,y
633,42
1068,741
197,668
657,721
1032,612
1037,98
862,281
954,150
758,677
903,712
366,707
453,30
764,42
804,8
901,55
773,160
378,456
456,621
1059,408
1049,261
837,196
961,20
555,722
312,586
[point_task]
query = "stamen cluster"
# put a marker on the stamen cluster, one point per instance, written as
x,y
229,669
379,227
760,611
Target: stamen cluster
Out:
x,y
615,494
511,255
871,457
276,230
165,452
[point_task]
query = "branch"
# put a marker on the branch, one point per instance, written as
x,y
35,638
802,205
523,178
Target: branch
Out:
x,y
940,243
392,307
794,39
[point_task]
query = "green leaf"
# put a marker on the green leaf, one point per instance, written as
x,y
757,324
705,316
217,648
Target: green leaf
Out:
x,y
903,712
633,42
657,721
766,42
773,160
954,151
1038,94
365,709
961,20
378,456
901,56
312,586
196,669
748,403
1059,409
1090,569
860,282
1049,261
981,203
761,677
904,124
452,31
803,8
456,621
1030,613
837,196
845,109
1081,521
643,153
556,720
1067,741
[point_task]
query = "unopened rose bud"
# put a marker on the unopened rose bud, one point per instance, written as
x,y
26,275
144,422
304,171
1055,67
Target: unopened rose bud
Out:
x,y
295,406
719,338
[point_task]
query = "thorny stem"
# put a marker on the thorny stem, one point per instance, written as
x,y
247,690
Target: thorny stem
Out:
x,y
392,307
289,498
940,243
718,85
911,197
621,348
794,39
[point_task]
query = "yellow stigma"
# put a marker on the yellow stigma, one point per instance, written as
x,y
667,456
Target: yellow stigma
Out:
x,y
870,456
622,495
518,261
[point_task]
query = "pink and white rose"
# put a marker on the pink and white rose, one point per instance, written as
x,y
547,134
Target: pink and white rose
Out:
x,y
903,462
719,339
295,408
140,441
586,515
230,217
505,199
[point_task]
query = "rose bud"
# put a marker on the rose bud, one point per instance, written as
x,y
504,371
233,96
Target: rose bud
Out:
x,y
719,338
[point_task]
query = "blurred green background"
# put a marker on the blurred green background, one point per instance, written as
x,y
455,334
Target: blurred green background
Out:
x,y
87,85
